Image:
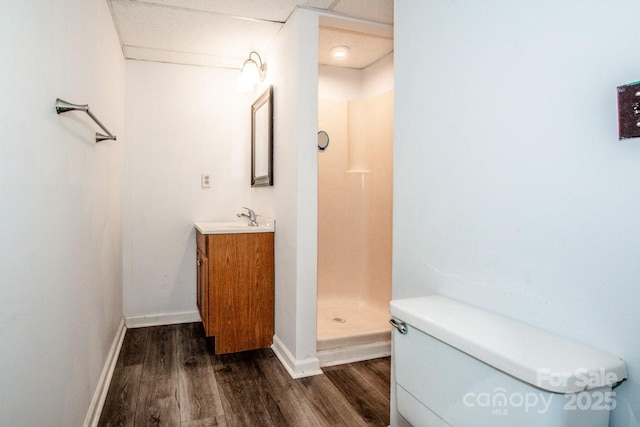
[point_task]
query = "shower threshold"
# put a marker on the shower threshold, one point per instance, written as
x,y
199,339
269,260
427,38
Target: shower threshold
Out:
x,y
351,331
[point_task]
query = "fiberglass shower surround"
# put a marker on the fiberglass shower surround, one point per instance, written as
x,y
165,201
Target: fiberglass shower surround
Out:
x,y
354,222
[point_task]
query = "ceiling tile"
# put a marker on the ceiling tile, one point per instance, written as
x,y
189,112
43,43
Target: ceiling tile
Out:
x,y
274,10
372,10
144,25
184,58
221,33
363,49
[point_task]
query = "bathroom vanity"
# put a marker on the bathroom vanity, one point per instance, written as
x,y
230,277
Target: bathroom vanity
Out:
x,y
235,284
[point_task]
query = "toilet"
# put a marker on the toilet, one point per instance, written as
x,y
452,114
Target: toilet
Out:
x,y
456,365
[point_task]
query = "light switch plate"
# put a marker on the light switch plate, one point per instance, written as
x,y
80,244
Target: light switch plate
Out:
x,y
629,111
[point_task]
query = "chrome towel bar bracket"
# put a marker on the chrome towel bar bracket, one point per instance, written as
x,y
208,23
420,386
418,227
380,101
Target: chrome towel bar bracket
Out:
x,y
64,106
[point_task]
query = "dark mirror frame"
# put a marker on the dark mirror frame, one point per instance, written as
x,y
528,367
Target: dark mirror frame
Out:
x,y
264,142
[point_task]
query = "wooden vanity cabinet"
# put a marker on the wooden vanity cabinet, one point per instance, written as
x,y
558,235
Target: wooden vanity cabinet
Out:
x,y
235,289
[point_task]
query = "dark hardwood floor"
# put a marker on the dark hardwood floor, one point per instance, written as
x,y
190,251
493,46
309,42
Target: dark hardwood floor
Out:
x,y
169,376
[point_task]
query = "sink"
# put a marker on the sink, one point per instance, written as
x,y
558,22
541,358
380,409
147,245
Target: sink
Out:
x,y
265,225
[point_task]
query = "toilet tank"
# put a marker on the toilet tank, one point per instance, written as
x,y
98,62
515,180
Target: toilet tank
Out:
x,y
456,365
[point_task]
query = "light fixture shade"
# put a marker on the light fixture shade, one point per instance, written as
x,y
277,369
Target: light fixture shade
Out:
x,y
252,73
249,76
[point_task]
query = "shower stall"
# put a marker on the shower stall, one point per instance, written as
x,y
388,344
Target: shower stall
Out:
x,y
354,220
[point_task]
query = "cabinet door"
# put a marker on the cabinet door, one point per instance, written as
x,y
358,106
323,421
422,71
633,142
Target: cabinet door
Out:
x,y
242,277
203,289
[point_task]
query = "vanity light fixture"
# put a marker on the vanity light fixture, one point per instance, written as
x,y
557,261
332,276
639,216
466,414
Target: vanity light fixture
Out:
x,y
252,73
339,52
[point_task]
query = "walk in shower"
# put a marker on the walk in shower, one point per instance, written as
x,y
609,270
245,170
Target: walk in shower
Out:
x,y
354,214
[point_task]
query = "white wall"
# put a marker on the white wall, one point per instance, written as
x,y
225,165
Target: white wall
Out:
x,y
292,67
339,83
354,206
353,84
349,264
342,238
181,121
512,192
60,221
377,78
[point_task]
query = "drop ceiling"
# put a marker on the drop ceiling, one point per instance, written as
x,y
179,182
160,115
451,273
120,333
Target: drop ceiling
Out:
x,y
221,33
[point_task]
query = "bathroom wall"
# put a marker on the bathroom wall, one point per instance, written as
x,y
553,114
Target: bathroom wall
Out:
x,y
182,121
355,207
377,78
339,83
60,221
355,199
356,84
511,190
377,133
292,67
342,268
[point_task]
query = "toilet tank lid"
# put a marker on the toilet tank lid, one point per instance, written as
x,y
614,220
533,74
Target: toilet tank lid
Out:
x,y
540,358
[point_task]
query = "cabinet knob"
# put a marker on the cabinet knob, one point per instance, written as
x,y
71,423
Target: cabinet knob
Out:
x,y
199,263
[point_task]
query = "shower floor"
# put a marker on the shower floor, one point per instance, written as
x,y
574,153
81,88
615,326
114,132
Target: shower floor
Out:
x,y
350,330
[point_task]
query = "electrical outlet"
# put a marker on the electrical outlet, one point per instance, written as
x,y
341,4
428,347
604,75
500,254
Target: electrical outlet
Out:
x,y
206,180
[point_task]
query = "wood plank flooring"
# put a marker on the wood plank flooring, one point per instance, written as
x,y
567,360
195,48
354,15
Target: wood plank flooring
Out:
x,y
169,376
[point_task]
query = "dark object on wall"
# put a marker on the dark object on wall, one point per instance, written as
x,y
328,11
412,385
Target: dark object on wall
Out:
x,y
262,140
629,111
323,140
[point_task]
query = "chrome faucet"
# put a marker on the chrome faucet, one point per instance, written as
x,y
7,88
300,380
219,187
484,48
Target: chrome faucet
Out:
x,y
251,215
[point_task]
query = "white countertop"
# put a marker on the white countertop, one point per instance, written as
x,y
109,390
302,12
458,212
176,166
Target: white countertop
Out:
x,y
265,225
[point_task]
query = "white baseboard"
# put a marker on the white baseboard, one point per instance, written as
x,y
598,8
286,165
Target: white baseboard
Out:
x,y
162,319
100,394
354,353
296,368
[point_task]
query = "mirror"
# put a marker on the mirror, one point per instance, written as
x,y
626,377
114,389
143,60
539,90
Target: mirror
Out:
x,y
262,140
